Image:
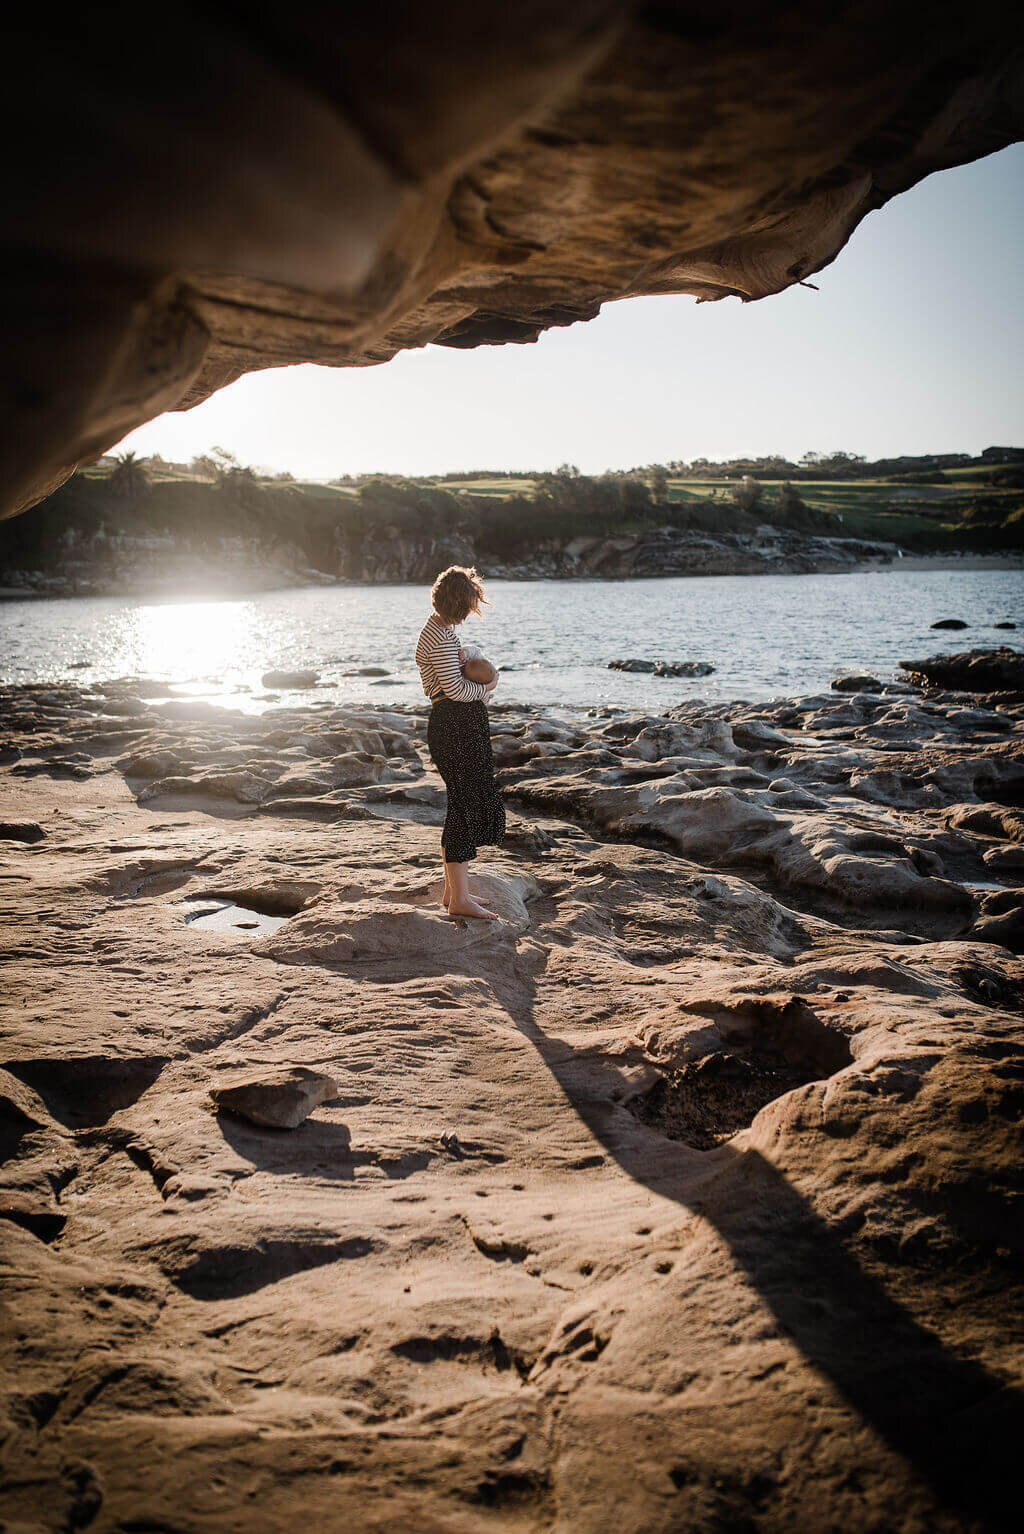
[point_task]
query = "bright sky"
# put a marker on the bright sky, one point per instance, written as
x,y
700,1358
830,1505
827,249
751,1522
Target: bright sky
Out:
x,y
912,345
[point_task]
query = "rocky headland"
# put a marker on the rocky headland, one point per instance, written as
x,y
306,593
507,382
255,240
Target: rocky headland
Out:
x,y
129,565
687,1195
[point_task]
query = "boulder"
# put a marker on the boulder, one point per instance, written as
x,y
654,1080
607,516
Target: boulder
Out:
x,y
950,623
856,682
276,1097
971,670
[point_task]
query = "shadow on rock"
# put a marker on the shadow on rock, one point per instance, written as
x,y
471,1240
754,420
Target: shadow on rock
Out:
x,y
958,1425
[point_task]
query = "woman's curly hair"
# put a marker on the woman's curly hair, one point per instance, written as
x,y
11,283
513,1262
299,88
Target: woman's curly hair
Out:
x,y
457,592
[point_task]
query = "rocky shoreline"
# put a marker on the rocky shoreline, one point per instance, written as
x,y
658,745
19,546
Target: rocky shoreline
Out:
x,y
129,566
704,1158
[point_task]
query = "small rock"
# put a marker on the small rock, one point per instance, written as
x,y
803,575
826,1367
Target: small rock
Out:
x,y
683,668
279,1097
298,679
857,683
950,623
1004,625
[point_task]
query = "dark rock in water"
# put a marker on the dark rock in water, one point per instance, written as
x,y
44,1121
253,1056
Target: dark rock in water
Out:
x,y
372,671
971,670
1004,625
855,683
290,678
20,831
683,668
276,1097
950,623
663,667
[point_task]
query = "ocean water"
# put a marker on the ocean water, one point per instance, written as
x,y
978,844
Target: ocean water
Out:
x,y
768,636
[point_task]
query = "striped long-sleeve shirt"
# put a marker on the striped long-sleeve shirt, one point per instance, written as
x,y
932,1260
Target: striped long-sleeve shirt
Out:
x,y
437,655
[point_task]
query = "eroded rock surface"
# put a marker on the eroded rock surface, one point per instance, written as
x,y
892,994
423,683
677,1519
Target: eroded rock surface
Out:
x,y
690,1187
341,185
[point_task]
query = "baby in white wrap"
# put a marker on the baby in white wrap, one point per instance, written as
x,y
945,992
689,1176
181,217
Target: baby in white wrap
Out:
x,y
476,667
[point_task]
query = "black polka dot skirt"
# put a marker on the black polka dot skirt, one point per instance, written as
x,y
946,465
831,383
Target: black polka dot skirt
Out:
x,y
459,738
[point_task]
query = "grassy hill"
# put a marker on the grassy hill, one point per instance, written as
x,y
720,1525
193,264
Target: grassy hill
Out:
x,y
109,508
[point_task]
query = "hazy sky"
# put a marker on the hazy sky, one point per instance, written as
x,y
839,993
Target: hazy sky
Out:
x,y
913,344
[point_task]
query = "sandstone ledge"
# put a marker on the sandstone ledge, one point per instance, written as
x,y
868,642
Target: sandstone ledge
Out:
x,y
709,1148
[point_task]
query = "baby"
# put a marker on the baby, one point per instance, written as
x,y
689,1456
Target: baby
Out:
x,y
476,667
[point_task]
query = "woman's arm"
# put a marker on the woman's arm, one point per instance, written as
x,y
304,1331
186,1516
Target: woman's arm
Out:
x,y
445,657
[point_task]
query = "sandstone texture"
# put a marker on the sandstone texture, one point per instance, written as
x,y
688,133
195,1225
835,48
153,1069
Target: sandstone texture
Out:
x,y
685,1196
319,184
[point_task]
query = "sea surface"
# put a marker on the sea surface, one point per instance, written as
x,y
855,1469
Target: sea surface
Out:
x,y
767,636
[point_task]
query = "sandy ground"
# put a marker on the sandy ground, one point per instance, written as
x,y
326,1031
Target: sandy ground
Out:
x,y
686,1195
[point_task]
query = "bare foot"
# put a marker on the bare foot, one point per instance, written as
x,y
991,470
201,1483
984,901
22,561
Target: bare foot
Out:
x,y
446,898
472,908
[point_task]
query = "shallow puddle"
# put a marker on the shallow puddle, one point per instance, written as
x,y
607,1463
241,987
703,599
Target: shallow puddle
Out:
x,y
235,920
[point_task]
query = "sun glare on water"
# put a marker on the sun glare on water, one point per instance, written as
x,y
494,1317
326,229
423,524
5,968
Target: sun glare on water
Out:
x,y
194,643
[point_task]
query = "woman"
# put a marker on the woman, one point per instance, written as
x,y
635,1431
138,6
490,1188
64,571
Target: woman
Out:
x,y
459,738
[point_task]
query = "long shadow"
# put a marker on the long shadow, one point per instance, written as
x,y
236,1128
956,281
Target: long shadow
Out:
x,y
961,1428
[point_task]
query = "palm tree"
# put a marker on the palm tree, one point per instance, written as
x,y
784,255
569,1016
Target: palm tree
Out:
x,y
129,479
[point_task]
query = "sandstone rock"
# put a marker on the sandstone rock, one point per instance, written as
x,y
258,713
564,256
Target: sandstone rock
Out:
x,y
299,680
281,1097
243,787
447,179
753,1105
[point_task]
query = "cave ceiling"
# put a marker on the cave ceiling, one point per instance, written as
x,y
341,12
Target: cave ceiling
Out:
x,y
251,186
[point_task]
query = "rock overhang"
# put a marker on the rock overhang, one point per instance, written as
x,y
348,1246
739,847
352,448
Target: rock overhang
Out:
x,y
274,188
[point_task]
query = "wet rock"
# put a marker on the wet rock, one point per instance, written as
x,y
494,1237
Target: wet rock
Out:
x,y
949,623
297,680
971,670
280,1097
664,668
